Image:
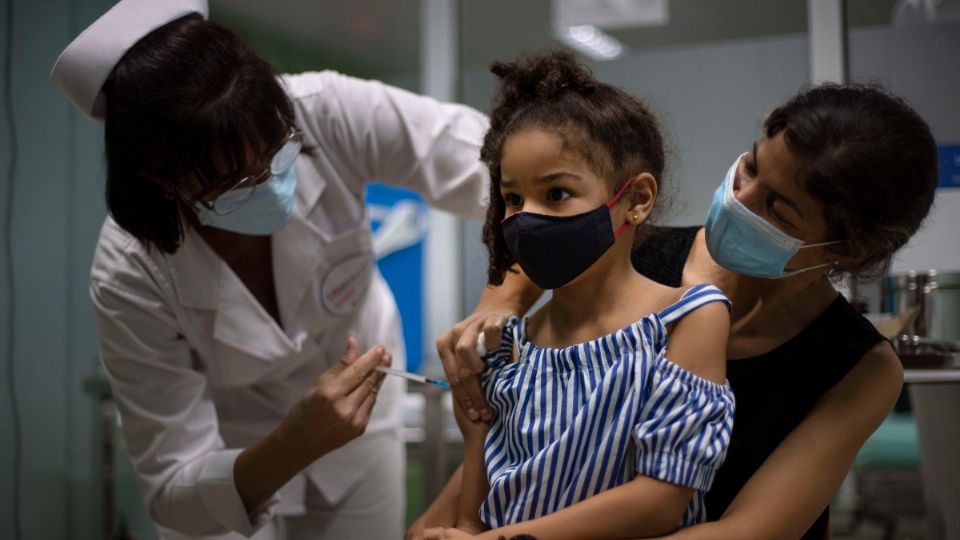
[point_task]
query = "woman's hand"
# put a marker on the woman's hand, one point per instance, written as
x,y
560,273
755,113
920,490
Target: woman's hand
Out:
x,y
458,350
474,432
336,409
458,347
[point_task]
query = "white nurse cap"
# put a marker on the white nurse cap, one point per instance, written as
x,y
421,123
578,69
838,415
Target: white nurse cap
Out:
x,y
86,63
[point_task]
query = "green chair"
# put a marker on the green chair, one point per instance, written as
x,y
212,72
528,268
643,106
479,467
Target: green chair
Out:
x,y
893,447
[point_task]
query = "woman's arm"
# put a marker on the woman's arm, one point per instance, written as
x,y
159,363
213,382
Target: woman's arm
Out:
x,y
641,507
814,458
442,512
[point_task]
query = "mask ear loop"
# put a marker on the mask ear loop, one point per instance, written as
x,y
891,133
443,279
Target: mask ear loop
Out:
x,y
613,201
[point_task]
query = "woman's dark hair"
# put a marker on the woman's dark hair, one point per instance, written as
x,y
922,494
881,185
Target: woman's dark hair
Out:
x,y
191,100
613,131
869,159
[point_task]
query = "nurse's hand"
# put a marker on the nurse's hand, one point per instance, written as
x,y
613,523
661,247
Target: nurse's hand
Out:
x,y
459,350
336,409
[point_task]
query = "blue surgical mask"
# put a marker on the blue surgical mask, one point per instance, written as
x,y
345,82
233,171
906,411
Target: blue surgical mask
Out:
x,y
744,242
266,212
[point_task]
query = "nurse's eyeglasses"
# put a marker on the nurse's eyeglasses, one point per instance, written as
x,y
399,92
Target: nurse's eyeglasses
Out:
x,y
239,193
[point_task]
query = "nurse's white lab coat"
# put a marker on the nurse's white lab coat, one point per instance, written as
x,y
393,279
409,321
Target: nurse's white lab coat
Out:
x,y
199,370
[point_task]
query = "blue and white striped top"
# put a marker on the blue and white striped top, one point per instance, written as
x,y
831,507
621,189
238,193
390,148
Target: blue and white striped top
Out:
x,y
573,422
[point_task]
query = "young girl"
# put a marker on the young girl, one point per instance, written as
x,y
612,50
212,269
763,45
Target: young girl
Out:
x,y
612,414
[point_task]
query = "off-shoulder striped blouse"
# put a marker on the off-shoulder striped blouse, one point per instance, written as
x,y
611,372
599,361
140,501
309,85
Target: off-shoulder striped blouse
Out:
x,y
573,422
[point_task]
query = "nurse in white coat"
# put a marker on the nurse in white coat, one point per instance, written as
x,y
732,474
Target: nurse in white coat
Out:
x,y
236,263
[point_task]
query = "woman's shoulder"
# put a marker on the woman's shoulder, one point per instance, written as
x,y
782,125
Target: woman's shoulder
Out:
x,y
873,386
882,365
866,394
877,378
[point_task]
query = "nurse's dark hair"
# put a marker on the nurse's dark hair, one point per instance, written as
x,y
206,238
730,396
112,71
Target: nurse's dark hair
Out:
x,y
187,105
869,159
613,131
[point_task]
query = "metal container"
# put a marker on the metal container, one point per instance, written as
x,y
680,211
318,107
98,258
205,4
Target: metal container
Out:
x,y
937,294
942,307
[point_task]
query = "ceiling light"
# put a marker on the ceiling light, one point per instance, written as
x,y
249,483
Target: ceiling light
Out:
x,y
590,41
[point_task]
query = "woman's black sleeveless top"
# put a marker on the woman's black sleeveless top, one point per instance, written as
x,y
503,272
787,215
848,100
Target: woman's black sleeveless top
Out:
x,y
776,390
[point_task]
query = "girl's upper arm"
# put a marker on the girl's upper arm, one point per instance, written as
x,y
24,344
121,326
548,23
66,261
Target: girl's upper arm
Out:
x,y
698,341
816,456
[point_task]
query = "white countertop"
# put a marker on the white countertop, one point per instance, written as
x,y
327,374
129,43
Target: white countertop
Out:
x,y
930,376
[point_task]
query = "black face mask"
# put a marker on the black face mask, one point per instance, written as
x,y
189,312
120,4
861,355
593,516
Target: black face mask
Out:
x,y
553,250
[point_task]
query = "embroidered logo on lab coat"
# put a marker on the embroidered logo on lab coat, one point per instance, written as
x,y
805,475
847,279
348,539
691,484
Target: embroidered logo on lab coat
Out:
x,y
346,283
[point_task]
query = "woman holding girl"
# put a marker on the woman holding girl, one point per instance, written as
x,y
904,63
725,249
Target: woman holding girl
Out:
x,y
841,178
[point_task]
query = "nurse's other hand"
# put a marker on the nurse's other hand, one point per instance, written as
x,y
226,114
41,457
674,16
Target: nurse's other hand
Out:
x,y
458,350
336,409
